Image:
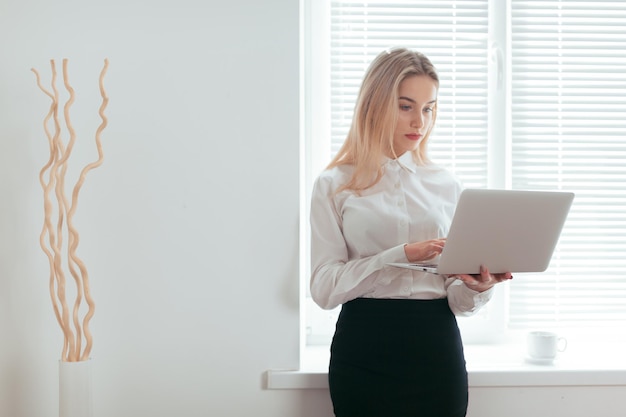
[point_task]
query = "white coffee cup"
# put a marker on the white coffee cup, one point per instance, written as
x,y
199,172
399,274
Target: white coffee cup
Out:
x,y
544,346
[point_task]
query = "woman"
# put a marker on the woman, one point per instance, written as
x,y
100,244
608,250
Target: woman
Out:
x,y
396,349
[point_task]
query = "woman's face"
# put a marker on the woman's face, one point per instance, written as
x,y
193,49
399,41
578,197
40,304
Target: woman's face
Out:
x,y
417,96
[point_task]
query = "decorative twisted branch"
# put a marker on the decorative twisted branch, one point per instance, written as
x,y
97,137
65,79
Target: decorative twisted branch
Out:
x,y
52,175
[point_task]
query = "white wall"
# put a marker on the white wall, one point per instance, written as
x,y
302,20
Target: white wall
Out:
x,y
189,229
541,401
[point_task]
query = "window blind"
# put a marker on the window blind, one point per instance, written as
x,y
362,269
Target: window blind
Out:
x,y
568,108
566,94
453,34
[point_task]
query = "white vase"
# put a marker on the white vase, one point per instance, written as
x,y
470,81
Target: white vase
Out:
x,y
75,396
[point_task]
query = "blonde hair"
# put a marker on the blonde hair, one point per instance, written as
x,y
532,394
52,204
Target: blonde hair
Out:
x,y
370,137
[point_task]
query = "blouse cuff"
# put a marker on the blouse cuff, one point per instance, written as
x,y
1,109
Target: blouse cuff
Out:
x,y
464,301
481,298
391,255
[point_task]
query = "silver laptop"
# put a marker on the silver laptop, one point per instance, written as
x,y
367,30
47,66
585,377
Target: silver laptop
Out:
x,y
505,230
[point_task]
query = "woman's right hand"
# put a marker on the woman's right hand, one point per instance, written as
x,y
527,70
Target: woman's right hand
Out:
x,y
423,251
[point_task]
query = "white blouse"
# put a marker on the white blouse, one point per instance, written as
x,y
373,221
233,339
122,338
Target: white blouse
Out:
x,y
353,236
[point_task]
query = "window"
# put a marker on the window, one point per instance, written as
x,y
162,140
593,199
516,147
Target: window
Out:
x,y
568,124
532,96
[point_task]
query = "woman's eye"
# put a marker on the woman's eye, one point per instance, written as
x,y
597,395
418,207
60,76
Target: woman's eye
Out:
x,y
405,107
428,110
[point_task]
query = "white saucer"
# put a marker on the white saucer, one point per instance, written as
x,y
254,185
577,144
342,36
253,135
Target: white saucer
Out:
x,y
539,361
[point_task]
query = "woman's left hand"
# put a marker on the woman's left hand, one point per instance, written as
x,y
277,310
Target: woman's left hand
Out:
x,y
485,280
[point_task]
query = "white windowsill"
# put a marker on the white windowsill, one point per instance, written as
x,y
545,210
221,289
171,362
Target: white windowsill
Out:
x,y
502,365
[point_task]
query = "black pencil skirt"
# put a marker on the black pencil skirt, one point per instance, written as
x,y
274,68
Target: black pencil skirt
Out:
x,y
397,358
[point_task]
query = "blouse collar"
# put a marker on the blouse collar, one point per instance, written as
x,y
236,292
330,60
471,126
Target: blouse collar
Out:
x,y
405,161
